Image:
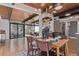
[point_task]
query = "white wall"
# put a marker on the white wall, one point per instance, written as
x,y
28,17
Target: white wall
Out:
x,y
57,26
4,24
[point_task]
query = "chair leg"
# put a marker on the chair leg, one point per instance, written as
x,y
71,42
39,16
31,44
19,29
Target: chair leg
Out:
x,y
32,52
35,52
39,52
28,53
47,53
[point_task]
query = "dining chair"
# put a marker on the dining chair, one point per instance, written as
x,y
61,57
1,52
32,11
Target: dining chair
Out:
x,y
31,45
43,46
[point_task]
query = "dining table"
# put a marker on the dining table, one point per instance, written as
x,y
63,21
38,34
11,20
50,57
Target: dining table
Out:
x,y
57,45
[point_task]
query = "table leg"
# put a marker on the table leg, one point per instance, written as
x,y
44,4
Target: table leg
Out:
x,y
66,49
48,53
57,50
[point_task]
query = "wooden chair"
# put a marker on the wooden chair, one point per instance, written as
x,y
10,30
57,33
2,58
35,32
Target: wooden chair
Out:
x,y
29,43
31,46
43,46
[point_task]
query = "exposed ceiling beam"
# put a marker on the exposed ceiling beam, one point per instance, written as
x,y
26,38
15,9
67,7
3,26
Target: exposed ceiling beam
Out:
x,y
21,7
67,11
34,15
47,6
10,13
30,17
72,11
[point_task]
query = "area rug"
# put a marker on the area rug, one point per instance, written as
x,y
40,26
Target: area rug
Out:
x,y
22,53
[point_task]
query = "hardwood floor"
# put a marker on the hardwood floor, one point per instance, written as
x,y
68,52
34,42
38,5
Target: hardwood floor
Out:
x,y
71,47
13,46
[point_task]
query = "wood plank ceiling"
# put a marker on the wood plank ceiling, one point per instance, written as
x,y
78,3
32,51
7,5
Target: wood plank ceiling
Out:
x,y
13,14
38,6
41,6
66,7
5,12
19,15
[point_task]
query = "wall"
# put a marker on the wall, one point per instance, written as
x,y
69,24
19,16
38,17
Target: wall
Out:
x,y
57,26
4,24
28,29
73,28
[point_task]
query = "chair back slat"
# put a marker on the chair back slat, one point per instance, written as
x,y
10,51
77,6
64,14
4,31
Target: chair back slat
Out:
x,y
42,45
29,42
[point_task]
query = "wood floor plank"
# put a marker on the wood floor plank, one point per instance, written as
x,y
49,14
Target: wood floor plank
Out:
x,y
13,46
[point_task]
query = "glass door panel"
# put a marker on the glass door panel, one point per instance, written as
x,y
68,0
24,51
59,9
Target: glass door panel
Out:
x,y
13,31
20,31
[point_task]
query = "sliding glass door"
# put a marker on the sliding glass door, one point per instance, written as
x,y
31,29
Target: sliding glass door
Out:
x,y
17,30
20,31
13,31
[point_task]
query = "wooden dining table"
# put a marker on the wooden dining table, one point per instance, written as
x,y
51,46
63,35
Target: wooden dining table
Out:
x,y
57,45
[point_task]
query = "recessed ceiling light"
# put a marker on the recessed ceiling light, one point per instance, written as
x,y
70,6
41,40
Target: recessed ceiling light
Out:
x,y
39,9
54,12
58,3
35,9
58,7
68,14
71,17
42,4
50,7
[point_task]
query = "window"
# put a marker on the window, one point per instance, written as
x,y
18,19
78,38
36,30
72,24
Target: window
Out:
x,y
16,30
36,28
13,30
